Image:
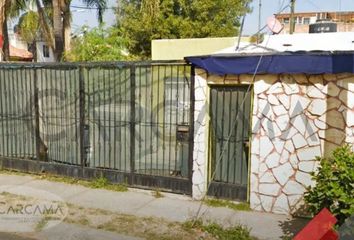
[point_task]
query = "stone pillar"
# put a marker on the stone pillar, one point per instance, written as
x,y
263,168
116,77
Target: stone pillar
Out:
x,y
200,151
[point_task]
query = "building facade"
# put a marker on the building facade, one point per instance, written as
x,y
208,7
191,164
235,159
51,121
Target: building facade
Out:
x,y
291,119
344,20
19,50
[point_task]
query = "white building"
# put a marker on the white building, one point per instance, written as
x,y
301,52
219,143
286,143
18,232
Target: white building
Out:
x,y
19,50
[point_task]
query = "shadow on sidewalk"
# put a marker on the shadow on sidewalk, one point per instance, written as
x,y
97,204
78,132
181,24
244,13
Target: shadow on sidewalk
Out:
x,y
292,226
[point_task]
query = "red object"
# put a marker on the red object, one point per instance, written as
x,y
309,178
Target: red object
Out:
x,y
1,41
330,235
319,228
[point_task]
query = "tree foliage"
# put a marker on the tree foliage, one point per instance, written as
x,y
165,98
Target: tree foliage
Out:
x,y
99,44
144,20
28,26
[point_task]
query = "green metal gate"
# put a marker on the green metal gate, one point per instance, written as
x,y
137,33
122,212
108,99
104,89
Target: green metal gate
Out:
x,y
130,122
229,131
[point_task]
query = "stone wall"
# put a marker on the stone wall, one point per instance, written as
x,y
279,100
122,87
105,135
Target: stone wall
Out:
x,y
295,118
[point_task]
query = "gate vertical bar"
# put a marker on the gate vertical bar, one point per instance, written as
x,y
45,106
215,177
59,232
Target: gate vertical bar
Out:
x,y
132,121
36,115
82,116
191,128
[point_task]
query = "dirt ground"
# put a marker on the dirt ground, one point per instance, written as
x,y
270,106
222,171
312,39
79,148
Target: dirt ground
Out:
x,y
143,227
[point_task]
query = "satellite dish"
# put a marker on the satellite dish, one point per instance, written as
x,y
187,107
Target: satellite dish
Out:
x,y
274,25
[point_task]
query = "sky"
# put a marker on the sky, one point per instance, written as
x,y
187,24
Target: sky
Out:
x,y
269,7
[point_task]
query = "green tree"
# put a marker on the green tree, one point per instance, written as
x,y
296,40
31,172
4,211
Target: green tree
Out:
x,y
100,6
99,44
28,27
56,23
144,20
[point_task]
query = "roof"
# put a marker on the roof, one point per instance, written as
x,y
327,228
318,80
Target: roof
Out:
x,y
296,53
316,62
20,53
338,41
307,13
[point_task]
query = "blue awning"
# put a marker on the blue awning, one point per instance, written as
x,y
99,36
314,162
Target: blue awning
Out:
x,y
291,63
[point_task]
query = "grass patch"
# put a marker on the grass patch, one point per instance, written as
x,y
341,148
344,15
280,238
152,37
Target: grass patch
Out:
x,y
13,172
212,202
238,232
157,194
41,224
103,182
97,183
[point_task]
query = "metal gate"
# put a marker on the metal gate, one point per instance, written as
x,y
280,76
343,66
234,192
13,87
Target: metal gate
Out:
x,y
128,121
229,131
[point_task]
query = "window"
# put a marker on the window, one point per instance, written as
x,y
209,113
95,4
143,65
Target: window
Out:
x,y
286,20
307,21
46,51
298,20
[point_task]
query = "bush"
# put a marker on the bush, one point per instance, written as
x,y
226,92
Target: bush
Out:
x,y
334,188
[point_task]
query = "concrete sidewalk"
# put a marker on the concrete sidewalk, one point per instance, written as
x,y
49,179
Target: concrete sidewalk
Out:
x,y
171,207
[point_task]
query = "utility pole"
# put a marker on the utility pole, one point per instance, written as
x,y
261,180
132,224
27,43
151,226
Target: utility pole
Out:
x,y
340,5
292,20
259,20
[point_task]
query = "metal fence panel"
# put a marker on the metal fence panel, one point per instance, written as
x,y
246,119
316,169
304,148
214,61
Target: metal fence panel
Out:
x,y
58,100
16,113
163,102
108,109
133,118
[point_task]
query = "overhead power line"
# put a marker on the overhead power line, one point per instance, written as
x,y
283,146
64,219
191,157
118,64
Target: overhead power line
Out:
x,y
92,8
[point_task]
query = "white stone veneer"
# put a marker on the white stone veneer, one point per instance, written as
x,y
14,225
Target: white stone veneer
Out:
x,y
200,151
295,118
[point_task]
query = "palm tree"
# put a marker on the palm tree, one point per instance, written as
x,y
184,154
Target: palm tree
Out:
x,y
100,5
62,22
45,22
9,9
58,28
29,28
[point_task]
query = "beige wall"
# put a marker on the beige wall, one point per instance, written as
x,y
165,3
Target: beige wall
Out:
x,y
177,49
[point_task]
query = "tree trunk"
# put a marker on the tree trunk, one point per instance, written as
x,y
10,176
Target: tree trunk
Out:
x,y
6,44
43,19
66,26
58,30
2,17
3,30
33,50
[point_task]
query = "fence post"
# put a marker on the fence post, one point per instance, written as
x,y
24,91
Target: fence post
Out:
x,y
82,116
191,128
36,116
132,121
